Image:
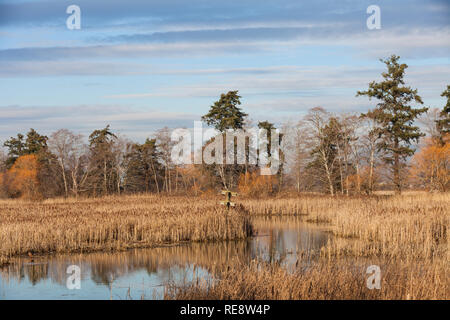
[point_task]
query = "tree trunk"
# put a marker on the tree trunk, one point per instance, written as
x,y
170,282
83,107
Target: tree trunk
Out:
x,y
358,179
372,156
105,185
330,182
61,163
397,182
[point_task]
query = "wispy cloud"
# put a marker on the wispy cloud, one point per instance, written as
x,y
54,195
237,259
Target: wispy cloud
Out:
x,y
133,122
283,56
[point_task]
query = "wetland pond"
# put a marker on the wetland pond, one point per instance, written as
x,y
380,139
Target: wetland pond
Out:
x,y
142,273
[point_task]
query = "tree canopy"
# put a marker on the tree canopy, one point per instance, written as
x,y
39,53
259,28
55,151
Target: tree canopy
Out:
x,y
225,114
395,115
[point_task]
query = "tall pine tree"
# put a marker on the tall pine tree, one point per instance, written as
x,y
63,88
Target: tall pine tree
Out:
x,y
395,115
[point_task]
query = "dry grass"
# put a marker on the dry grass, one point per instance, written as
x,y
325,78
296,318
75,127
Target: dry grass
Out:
x,y
3,261
407,236
410,226
114,223
322,281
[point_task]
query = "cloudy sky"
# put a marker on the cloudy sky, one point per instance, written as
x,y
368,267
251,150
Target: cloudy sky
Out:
x,y
141,65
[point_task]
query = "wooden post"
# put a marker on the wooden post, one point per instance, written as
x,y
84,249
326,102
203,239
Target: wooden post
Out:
x,y
228,194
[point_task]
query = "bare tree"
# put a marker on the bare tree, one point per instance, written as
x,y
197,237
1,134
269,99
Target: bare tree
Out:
x,y
369,141
120,147
297,153
429,121
165,144
64,144
3,159
319,123
349,151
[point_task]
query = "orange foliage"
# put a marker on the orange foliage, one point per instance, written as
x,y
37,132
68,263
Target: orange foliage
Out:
x,y
254,184
23,177
3,192
194,179
431,166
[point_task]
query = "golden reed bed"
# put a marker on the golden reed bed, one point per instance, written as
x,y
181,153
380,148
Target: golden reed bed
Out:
x,y
337,280
406,235
114,223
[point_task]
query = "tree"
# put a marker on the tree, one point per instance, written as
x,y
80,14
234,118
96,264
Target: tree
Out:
x,y
443,124
225,114
324,136
16,148
369,141
430,121
23,177
68,149
297,153
3,182
255,185
142,167
100,145
33,144
268,126
164,145
395,116
431,166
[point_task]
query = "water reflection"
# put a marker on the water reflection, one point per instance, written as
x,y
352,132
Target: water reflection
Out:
x,y
141,273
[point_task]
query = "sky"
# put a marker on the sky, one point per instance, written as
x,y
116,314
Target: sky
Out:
x,y
142,65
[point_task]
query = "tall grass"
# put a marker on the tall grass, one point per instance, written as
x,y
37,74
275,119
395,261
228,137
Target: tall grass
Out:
x,y
407,236
410,226
114,223
322,281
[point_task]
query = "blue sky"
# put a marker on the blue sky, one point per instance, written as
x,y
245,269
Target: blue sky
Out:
x,y
142,65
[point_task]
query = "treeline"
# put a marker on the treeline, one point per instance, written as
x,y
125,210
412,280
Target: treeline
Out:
x,y
323,152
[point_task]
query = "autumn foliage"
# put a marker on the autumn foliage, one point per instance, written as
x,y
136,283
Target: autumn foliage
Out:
x,y
431,166
21,179
254,184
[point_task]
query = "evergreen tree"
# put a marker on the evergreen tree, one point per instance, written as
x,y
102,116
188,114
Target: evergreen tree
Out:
x,y
225,113
443,124
100,144
143,171
34,143
395,115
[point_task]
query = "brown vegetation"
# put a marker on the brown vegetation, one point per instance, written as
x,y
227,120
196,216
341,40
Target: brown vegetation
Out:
x,y
114,223
407,236
323,281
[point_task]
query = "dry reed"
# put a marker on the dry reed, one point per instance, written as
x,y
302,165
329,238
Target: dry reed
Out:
x,y
322,281
114,223
406,235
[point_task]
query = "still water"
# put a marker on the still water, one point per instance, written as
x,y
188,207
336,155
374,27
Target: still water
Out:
x,y
142,273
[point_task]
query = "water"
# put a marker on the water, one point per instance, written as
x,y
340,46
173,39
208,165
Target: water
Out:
x,y
142,273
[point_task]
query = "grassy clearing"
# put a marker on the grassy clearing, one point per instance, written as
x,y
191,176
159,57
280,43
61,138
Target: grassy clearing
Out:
x,y
114,223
